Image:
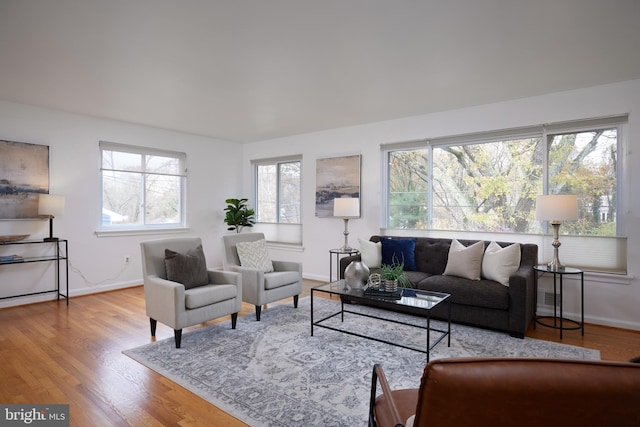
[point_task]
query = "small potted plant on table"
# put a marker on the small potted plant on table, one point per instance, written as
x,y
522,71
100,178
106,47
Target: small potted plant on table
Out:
x,y
393,275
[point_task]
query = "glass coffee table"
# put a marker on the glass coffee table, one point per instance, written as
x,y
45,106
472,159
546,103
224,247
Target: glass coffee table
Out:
x,y
413,301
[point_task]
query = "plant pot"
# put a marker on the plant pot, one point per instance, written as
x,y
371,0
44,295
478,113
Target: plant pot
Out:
x,y
390,285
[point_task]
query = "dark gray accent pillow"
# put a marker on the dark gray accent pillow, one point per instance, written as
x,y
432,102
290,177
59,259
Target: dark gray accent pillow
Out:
x,y
190,269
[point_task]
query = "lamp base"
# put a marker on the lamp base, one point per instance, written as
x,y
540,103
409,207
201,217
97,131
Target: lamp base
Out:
x,y
346,246
554,266
50,238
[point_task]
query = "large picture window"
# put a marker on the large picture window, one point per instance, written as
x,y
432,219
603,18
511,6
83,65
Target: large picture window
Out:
x,y
141,187
488,183
487,186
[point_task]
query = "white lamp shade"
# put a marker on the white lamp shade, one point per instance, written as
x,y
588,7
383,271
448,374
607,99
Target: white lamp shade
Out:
x,y
346,207
560,207
50,205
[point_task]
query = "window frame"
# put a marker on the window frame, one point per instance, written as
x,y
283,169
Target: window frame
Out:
x,y
540,131
592,126
275,162
583,247
287,234
144,151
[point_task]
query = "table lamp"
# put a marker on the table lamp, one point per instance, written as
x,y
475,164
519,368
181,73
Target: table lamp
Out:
x,y
555,209
346,208
50,205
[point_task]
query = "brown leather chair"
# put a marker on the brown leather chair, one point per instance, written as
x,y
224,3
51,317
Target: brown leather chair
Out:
x,y
512,392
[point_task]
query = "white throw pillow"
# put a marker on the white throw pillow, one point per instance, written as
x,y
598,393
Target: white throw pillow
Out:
x,y
500,263
465,261
370,253
255,255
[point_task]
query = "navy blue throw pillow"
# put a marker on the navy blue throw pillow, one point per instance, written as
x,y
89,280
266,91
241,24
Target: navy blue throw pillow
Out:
x,y
395,251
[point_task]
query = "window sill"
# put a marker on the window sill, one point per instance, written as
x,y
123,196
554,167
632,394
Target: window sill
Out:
x,y
292,247
608,278
140,231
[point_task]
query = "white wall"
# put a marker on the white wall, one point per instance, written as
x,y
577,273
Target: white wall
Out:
x,y
217,167
608,300
214,169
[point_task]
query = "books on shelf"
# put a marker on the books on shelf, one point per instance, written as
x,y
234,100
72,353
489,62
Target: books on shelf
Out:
x,y
11,258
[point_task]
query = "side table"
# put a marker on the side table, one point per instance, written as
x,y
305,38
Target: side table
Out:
x,y
558,321
338,253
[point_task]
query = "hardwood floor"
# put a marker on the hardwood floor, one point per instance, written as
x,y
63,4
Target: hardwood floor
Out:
x,y
51,353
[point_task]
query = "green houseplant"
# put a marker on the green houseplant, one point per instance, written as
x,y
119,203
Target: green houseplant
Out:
x,y
238,215
394,273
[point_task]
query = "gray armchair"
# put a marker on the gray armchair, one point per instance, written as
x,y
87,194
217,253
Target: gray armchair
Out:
x,y
260,287
171,303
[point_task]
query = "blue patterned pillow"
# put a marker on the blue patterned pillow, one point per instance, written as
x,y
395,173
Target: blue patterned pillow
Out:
x,y
395,251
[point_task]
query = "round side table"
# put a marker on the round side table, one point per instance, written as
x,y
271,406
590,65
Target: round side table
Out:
x,y
558,321
337,253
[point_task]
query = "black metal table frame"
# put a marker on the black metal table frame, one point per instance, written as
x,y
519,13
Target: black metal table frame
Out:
x,y
558,321
59,255
378,301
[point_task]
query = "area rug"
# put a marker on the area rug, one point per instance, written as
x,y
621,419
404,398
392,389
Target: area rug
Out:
x,y
274,373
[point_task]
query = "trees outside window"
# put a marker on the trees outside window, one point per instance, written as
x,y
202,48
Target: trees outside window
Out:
x,y
486,187
408,189
141,187
585,164
278,188
491,185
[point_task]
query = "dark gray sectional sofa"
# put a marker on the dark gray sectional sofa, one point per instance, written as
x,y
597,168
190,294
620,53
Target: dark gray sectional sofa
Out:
x,y
482,303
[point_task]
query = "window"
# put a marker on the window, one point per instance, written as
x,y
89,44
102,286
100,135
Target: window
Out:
x,y
278,192
488,183
585,163
278,199
408,190
486,186
141,187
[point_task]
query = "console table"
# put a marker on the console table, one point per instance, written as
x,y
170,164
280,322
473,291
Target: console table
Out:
x,y
60,253
559,321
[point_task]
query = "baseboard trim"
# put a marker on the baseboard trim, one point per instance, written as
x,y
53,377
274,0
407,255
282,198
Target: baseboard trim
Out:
x,y
595,320
34,299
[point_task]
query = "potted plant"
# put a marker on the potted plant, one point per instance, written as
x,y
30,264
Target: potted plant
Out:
x,y
238,215
393,275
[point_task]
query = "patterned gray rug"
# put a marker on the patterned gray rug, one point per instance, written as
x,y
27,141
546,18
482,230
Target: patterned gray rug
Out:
x,y
274,373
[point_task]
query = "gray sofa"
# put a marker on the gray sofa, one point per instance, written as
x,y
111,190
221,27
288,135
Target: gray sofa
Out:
x,y
482,303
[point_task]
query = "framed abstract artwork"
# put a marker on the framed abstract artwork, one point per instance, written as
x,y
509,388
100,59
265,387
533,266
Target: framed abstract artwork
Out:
x,y
336,177
24,173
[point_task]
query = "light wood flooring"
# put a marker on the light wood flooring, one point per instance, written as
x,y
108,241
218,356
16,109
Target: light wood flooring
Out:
x,y
51,353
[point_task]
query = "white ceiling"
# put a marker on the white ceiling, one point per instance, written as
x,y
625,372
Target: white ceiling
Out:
x,y
252,70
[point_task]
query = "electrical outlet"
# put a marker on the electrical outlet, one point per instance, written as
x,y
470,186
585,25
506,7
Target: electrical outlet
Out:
x,y
126,260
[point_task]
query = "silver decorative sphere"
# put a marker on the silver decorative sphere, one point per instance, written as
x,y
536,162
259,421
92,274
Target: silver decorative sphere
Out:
x,y
356,274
